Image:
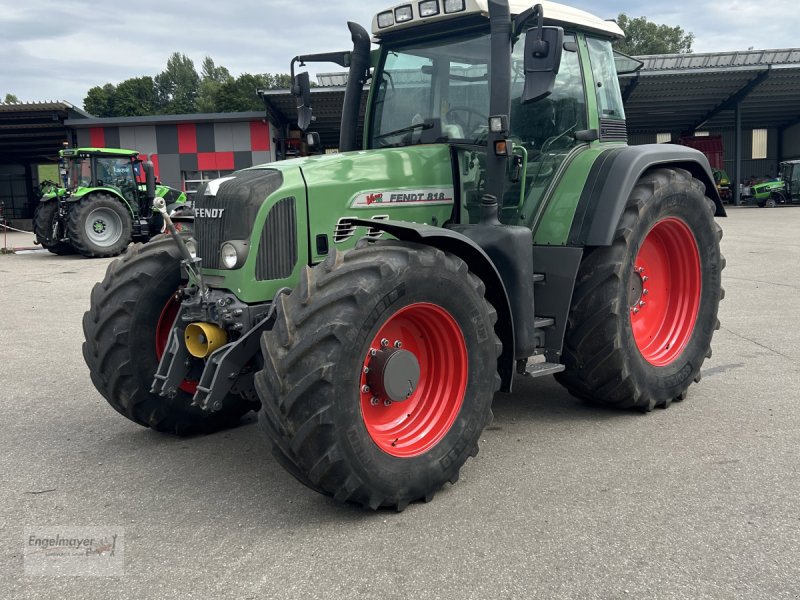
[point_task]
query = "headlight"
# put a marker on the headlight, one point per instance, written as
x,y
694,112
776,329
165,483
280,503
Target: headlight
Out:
x,y
191,246
451,6
385,19
403,14
229,256
428,8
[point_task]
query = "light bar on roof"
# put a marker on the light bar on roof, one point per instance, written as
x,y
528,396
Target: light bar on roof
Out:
x,y
428,8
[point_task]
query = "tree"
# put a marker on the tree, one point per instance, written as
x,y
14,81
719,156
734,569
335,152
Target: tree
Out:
x,y
241,94
645,37
177,86
10,99
99,101
135,97
212,78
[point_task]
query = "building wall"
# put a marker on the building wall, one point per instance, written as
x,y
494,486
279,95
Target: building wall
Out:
x,y
189,151
757,168
791,143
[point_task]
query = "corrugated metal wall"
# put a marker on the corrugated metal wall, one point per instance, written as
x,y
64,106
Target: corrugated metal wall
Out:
x,y
750,168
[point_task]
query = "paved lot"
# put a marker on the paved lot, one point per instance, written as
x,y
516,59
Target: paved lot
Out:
x,y
563,501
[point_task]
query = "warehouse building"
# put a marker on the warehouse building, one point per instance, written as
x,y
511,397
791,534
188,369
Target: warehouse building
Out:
x,y
750,99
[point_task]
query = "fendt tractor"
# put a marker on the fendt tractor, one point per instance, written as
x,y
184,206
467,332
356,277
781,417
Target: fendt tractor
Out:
x,y
370,304
102,203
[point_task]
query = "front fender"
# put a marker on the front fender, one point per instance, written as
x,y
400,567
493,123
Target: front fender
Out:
x,y
479,263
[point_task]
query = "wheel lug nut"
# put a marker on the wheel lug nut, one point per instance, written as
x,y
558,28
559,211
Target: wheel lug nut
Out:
x,y
384,342
387,402
366,370
636,310
365,389
374,401
645,278
373,352
641,302
645,291
398,344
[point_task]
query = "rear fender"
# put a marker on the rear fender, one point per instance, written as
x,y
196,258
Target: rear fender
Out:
x,y
111,191
612,179
479,263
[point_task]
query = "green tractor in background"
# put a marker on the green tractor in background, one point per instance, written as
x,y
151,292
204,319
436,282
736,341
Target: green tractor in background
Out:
x,y
369,304
103,203
782,190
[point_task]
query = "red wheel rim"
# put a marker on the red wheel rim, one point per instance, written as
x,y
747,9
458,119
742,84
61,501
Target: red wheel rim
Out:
x,y
665,291
165,322
413,426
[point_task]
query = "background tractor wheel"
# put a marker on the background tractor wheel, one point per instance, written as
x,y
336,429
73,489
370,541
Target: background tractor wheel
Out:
x,y
773,200
644,309
126,329
379,374
99,226
44,222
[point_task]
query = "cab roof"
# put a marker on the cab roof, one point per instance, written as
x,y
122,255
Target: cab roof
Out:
x,y
103,151
554,14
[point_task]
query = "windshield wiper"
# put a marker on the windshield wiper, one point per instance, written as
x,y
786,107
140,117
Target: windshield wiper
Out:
x,y
405,130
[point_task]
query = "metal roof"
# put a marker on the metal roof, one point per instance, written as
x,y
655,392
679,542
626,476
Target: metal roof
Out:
x,y
34,130
683,92
165,119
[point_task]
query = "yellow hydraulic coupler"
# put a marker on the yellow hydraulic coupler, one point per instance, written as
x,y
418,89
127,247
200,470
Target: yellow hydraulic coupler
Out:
x,y
203,338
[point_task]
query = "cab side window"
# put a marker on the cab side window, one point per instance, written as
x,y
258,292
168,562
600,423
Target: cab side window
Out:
x,y
609,98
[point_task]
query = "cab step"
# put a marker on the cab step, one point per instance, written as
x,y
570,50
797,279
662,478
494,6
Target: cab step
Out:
x,y
538,369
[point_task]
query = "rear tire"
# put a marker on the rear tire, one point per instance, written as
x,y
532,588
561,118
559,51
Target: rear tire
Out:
x,y
99,226
44,218
324,425
121,330
625,354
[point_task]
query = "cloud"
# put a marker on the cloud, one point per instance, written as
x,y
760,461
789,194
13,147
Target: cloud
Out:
x,y
58,51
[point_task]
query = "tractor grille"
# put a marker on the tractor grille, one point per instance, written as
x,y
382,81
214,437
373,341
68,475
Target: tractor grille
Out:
x,y
225,209
277,249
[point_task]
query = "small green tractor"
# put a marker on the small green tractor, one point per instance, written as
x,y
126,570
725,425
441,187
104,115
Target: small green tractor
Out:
x,y
782,190
102,203
492,224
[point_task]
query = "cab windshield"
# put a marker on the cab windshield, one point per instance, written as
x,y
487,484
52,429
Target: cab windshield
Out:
x,y
432,92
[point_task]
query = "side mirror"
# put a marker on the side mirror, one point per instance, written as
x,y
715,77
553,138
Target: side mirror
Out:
x,y
312,140
302,91
543,48
150,179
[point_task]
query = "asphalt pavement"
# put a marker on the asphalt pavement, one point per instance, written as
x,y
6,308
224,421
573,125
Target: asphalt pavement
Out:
x,y
564,500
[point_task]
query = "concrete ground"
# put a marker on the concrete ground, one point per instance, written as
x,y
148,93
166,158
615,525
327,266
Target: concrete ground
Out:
x,y
563,501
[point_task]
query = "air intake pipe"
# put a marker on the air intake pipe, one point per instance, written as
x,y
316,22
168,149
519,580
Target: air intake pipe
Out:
x,y
357,77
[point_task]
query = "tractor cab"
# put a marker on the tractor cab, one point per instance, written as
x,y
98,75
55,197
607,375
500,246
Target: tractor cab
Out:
x,y
83,168
790,174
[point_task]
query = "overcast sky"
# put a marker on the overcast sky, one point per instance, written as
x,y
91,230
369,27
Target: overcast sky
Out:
x,y
57,50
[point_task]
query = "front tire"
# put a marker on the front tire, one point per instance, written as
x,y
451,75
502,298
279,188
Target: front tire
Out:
x,y
126,329
99,226
46,228
644,309
329,377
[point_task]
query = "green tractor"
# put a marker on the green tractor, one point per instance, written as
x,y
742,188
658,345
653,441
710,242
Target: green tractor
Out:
x,y
769,193
369,304
782,190
103,203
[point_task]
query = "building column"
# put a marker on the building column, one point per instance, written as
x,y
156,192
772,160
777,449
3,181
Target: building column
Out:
x,y
737,166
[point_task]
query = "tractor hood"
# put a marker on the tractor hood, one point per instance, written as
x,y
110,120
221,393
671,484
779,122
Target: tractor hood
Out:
x,y
411,184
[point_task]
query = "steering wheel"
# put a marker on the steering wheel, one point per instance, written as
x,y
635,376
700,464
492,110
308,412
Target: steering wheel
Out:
x,y
471,112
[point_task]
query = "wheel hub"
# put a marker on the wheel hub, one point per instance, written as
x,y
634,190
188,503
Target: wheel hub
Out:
x,y
638,290
99,226
393,374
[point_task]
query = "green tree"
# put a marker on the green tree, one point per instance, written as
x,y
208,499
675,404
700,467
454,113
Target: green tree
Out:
x,y
177,86
212,77
241,94
99,101
10,99
645,37
135,97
